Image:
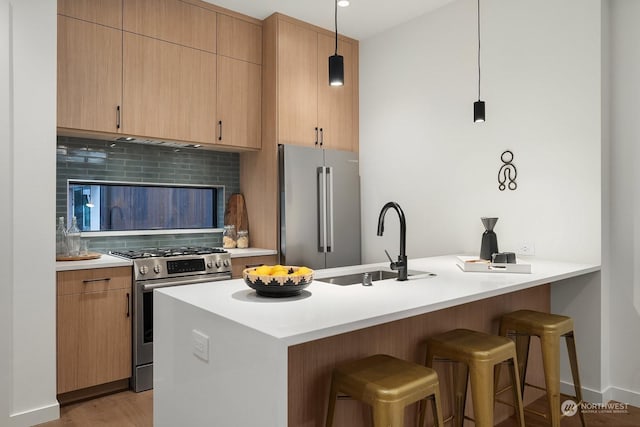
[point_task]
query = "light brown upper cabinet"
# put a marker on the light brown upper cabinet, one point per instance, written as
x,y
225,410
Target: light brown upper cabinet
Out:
x,y
173,21
104,12
307,111
239,39
169,90
239,100
239,83
174,70
335,103
89,75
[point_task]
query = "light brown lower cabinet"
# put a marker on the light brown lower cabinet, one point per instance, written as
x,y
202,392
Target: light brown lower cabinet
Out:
x,y
239,264
94,327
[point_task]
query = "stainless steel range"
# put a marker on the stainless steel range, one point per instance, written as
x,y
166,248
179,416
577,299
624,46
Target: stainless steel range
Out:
x,y
158,268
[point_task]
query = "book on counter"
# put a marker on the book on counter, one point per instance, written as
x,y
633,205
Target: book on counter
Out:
x,y
474,264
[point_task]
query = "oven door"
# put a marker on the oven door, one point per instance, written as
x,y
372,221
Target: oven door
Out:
x,y
143,325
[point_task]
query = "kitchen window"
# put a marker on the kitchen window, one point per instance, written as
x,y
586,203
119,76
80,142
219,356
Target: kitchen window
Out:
x,y
142,208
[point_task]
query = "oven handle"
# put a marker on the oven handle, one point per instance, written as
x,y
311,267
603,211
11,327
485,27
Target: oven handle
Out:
x,y
152,286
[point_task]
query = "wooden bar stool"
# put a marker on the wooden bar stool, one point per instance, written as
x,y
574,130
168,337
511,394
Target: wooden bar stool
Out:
x,y
388,385
549,328
478,355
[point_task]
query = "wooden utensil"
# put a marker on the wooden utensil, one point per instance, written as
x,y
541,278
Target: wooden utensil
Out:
x,y
236,212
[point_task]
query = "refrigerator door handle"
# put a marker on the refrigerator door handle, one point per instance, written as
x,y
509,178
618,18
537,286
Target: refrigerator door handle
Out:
x,y
330,209
322,209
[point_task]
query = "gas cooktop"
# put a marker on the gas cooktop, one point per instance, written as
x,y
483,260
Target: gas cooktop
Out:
x,y
166,252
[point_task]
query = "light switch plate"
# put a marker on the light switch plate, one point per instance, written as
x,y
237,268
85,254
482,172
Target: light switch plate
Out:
x,y
527,248
200,344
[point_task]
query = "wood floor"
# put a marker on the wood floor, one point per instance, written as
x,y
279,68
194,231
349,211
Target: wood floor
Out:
x,y
124,409
129,409
595,419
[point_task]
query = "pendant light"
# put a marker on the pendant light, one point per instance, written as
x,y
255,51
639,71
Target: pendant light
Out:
x,y
478,106
336,62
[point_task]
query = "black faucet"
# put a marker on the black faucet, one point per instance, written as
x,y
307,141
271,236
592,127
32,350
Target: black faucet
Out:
x,y
401,264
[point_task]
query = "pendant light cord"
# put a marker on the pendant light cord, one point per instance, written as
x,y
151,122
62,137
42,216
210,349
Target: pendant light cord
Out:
x,y
478,50
336,20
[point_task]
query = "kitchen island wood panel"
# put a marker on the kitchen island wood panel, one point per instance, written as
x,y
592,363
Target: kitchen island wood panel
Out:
x,y
89,75
94,328
173,21
311,363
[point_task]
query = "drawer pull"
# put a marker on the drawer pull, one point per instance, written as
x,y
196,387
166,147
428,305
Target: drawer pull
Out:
x,y
104,279
128,306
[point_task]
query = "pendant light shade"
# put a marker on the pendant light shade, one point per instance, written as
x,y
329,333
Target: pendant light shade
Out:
x,y
336,70
478,106
336,62
478,111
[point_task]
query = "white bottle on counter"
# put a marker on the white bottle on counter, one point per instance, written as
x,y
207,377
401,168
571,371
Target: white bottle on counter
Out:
x,y
73,238
61,238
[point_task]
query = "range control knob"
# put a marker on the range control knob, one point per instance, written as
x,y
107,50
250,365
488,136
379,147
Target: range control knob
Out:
x,y
226,263
209,264
218,263
144,269
157,269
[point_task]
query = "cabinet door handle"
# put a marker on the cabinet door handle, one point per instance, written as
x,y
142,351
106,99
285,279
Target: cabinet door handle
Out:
x,y
220,134
316,136
103,279
128,305
321,136
118,117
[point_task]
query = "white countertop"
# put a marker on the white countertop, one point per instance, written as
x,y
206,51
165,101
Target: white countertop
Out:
x,y
111,261
237,253
103,262
324,309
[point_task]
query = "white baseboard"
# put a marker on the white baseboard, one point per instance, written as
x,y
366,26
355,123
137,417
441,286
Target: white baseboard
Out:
x,y
611,393
36,416
588,395
623,396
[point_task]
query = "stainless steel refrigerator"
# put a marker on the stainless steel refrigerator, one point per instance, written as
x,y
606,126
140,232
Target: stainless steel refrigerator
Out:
x,y
319,207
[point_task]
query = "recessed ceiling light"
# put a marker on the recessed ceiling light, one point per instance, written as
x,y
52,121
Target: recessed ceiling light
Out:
x,y
343,3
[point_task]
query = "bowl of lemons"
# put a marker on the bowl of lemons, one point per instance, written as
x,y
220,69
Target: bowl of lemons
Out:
x,y
278,280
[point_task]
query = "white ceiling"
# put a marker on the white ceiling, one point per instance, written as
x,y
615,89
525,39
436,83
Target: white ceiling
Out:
x,y
362,19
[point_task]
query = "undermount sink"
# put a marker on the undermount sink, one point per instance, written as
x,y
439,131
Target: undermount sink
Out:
x,y
375,275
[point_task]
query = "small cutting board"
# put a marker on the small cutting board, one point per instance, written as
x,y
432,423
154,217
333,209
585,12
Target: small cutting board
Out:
x,y
236,212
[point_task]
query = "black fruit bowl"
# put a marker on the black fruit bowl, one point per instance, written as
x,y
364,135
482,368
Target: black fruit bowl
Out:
x,y
277,286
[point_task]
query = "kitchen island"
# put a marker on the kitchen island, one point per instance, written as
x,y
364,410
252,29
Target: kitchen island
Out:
x,y
227,357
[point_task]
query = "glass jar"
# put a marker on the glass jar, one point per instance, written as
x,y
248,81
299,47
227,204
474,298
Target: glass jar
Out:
x,y
73,238
243,239
61,238
229,237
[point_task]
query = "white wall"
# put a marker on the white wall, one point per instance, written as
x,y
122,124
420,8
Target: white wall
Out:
x,y
27,211
541,80
624,190
6,218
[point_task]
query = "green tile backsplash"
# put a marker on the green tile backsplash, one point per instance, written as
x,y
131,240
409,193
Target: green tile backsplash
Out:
x,y
79,158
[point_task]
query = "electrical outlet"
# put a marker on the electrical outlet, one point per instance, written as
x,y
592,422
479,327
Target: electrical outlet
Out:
x,y
527,249
200,344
